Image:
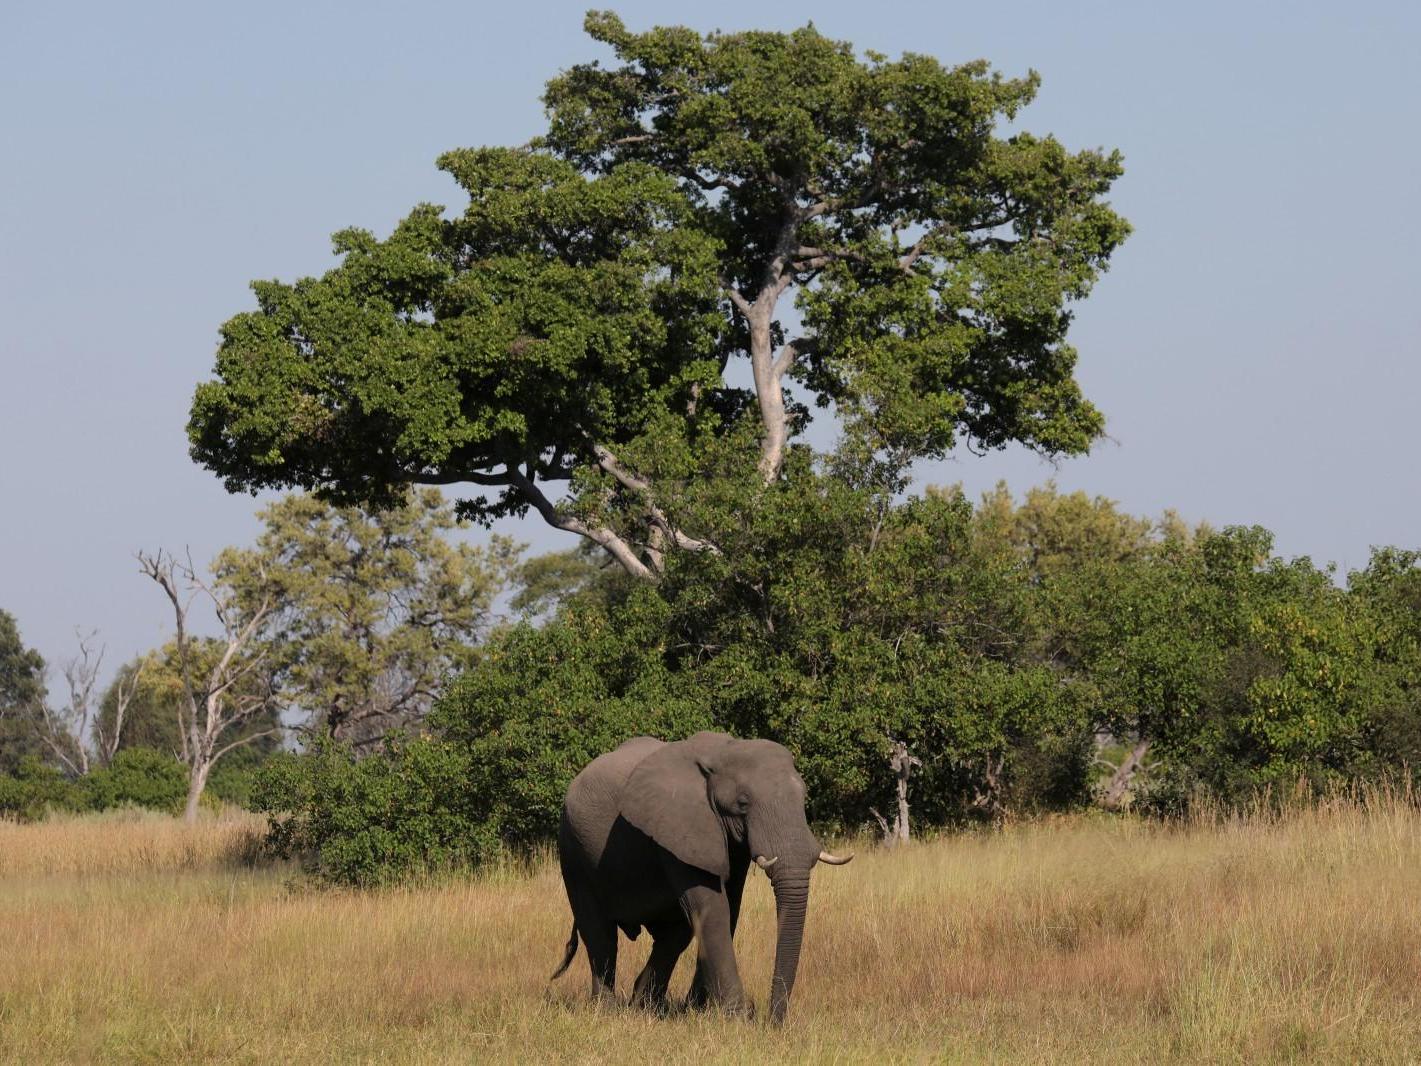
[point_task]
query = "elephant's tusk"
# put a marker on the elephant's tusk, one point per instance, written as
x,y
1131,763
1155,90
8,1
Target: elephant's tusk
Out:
x,y
764,863
834,860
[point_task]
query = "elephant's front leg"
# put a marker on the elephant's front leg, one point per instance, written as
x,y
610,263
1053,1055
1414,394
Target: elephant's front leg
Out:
x,y
708,911
699,994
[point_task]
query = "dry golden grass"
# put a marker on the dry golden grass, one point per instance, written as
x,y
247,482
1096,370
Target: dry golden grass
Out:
x,y
125,841
1071,940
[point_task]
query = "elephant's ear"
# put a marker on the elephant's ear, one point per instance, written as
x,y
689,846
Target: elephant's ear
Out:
x,y
667,798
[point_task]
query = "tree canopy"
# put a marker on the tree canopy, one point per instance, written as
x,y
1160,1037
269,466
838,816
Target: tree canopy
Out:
x,y
852,229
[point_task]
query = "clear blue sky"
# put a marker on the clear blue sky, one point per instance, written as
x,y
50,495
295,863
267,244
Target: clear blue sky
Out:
x,y
1255,346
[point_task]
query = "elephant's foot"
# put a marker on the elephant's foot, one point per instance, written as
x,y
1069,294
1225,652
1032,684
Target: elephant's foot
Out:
x,y
603,996
661,1006
745,1009
740,1008
651,999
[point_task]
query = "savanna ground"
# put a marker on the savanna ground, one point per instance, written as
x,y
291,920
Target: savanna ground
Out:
x,y
136,939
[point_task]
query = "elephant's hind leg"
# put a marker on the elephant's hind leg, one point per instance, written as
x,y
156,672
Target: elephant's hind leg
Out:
x,y
602,956
669,939
599,938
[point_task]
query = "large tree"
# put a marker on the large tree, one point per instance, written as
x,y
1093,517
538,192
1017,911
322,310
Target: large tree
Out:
x,y
850,227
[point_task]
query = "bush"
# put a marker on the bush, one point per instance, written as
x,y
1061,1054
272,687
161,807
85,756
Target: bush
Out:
x,y
36,789
138,777
376,820
546,702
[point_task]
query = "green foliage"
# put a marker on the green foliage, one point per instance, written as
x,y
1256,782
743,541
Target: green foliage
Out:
x,y
137,777
1005,645
544,702
553,303
578,322
150,719
374,608
234,779
372,821
21,690
545,581
34,789
578,319
888,627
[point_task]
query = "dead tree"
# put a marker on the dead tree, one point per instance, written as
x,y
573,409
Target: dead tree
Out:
x,y
901,762
1116,792
75,734
220,697
988,796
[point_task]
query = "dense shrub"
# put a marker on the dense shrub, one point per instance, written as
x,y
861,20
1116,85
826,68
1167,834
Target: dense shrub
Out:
x,y
375,820
137,777
35,789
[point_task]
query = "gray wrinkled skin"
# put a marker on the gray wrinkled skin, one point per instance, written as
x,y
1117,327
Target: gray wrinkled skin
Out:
x,y
659,837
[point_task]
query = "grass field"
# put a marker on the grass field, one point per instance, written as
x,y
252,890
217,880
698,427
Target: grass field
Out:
x,y
1074,940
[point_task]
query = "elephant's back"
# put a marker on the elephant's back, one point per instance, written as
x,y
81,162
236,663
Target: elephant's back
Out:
x,y
607,774
594,798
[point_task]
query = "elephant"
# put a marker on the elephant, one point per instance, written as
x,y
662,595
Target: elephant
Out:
x,y
659,836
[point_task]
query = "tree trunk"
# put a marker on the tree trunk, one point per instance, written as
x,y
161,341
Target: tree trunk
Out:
x,y
901,762
1113,798
197,781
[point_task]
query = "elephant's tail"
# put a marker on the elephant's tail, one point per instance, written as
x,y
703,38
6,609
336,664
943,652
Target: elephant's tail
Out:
x,y
567,955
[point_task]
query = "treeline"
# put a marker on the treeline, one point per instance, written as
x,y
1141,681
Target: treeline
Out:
x,y
337,622
930,663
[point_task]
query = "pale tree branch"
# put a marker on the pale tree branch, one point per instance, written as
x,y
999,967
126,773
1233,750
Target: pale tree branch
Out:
x,y
210,709
741,304
601,535
790,352
55,738
66,732
1116,792
242,742
609,463
125,689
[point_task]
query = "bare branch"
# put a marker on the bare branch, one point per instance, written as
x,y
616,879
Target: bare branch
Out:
x,y
920,246
244,741
125,689
208,710
458,477
609,463
711,183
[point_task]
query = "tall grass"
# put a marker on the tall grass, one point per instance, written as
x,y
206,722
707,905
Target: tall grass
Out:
x,y
125,841
1291,934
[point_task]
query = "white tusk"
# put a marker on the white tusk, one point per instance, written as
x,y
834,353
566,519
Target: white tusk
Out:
x,y
764,863
834,860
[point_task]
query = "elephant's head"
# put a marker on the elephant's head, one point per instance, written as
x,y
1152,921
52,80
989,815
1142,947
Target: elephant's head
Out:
x,y
712,795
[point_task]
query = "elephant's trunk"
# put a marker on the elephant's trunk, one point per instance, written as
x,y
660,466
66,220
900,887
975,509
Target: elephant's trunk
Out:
x,y
791,901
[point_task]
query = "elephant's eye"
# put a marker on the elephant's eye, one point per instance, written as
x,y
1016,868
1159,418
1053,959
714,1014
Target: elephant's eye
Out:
x,y
742,801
